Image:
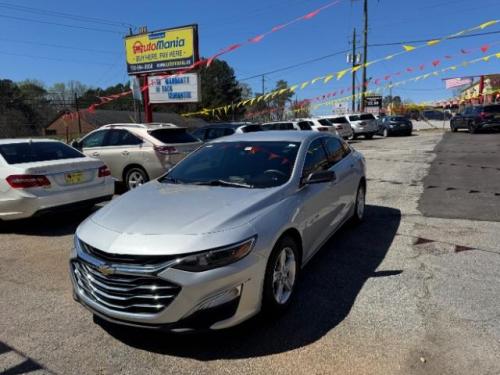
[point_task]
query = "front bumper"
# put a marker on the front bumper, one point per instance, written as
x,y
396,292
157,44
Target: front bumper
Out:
x,y
193,307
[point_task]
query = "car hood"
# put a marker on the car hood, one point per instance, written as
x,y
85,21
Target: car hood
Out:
x,y
181,209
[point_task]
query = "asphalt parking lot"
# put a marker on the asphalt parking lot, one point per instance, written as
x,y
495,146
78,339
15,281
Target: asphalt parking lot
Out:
x,y
413,290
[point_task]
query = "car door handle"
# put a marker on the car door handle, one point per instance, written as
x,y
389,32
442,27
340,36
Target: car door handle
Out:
x,y
95,154
125,153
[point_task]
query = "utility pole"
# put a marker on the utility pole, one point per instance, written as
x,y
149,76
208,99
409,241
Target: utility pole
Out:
x,y
353,71
78,116
263,84
365,54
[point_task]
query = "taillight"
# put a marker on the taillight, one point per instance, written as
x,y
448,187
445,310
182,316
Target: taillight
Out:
x,y
338,127
166,150
104,171
483,115
25,181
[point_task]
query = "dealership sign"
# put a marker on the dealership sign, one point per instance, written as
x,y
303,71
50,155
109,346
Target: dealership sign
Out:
x,y
373,103
181,88
162,50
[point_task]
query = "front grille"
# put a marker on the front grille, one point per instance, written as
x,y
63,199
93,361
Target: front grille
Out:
x,y
125,293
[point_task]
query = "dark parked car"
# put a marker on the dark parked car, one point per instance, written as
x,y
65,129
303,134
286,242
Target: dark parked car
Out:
x,y
213,131
394,125
477,118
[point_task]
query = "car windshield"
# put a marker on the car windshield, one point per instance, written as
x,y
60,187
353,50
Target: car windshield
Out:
x,y
251,128
367,116
174,135
492,109
237,164
29,152
338,120
325,122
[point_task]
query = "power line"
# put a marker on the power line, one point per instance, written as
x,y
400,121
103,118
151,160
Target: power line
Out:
x,y
61,24
435,38
74,17
55,59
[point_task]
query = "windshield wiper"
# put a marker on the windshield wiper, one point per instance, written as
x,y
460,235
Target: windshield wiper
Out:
x,y
223,183
170,179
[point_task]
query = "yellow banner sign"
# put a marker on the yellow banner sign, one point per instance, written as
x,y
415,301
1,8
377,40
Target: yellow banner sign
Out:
x,y
162,50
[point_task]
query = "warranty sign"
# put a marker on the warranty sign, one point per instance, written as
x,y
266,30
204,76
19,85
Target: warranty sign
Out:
x,y
162,50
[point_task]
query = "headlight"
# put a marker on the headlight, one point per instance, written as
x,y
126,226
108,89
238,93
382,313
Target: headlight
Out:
x,y
215,258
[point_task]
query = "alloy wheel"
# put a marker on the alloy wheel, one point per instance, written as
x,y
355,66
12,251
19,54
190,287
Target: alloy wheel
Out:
x,y
284,275
135,179
360,203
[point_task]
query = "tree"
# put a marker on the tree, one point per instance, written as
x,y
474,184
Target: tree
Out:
x,y
301,108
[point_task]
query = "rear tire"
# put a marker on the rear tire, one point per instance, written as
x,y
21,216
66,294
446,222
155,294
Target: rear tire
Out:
x,y
280,281
135,177
472,129
368,136
453,129
385,133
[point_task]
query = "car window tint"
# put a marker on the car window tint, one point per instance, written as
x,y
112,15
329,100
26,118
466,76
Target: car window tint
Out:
x,y
367,116
316,159
492,109
304,125
174,135
214,133
251,128
118,137
200,134
94,139
338,120
28,152
354,118
334,149
324,122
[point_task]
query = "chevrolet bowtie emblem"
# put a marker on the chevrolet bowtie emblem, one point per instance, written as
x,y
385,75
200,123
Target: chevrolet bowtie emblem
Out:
x,y
106,270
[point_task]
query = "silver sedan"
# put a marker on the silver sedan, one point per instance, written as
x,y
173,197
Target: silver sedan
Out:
x,y
220,237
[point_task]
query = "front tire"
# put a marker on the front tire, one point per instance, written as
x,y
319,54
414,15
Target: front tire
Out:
x,y
368,136
472,129
135,177
385,133
453,128
281,277
359,207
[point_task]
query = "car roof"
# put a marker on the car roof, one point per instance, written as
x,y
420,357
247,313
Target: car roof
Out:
x,y
24,140
273,136
279,122
146,126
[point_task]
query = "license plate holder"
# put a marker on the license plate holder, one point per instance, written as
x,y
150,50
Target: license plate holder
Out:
x,y
73,178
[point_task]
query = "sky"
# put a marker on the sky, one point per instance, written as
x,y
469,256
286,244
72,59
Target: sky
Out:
x,y
86,42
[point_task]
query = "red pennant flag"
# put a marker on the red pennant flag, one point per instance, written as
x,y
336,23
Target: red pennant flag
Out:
x,y
421,66
232,47
377,81
276,28
409,70
366,83
398,73
485,48
335,93
256,39
436,62
308,16
387,77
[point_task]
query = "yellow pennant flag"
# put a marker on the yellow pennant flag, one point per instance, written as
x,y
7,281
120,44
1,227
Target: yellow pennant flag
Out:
x,y
316,80
465,63
389,57
293,88
356,68
433,42
498,55
487,24
328,78
454,67
408,48
304,84
486,58
435,73
341,73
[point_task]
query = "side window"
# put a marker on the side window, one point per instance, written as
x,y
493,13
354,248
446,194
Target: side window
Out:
x,y
228,131
122,138
214,133
95,139
200,134
335,150
304,125
316,159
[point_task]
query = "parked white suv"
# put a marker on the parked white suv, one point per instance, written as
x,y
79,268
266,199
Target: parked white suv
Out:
x,y
341,125
363,124
137,153
321,125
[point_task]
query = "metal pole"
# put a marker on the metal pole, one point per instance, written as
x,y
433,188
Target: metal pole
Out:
x,y
365,54
78,116
353,72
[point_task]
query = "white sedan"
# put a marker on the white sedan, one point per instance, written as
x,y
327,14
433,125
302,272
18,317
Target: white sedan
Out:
x,y
42,175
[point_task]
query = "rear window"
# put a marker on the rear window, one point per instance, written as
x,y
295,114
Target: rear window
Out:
x,y
492,109
325,122
367,116
304,125
29,152
251,128
173,136
354,118
338,120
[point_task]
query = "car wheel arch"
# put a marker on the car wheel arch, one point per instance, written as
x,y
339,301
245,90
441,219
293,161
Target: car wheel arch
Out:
x,y
294,234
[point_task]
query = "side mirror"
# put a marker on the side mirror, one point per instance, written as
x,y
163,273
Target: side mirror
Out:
x,y
319,177
76,144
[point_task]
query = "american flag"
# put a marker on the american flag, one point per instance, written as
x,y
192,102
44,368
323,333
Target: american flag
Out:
x,y
455,82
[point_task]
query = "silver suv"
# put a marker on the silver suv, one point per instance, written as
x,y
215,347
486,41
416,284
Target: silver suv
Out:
x,y
136,153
